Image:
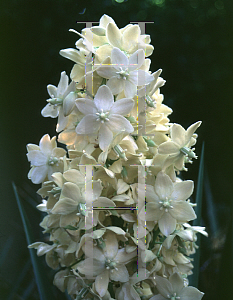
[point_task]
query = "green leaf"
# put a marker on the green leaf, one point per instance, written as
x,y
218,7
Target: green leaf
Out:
x,y
45,291
195,276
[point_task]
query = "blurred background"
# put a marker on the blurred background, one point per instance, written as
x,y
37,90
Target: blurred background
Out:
x,y
193,44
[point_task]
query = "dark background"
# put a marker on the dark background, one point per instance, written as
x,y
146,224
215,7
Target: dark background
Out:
x,y
193,44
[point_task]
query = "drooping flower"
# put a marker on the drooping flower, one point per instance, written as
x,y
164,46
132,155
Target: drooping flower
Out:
x,y
61,102
179,147
104,116
45,159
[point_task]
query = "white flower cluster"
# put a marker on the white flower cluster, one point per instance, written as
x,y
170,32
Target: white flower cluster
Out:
x,y
117,213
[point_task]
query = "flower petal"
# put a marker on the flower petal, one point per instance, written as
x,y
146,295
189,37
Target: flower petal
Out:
x,y
169,147
119,59
136,60
116,85
153,213
113,35
117,123
62,85
68,103
182,190
65,206
111,245
121,274
104,98
91,251
123,257
178,134
190,131
52,90
71,191
104,203
130,89
144,78
167,224
163,186
177,283
38,174
122,106
91,267
182,211
191,293
50,111
164,286
86,106
105,136
47,145
101,283
37,158
130,38
88,125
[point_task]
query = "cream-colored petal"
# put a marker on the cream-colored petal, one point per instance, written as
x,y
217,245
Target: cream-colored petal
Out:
x,y
169,147
38,174
178,134
101,283
118,123
121,274
86,106
182,190
104,98
182,211
91,267
46,145
111,245
116,85
113,35
130,38
62,85
65,206
37,158
105,137
72,191
190,131
163,186
167,224
88,125
122,106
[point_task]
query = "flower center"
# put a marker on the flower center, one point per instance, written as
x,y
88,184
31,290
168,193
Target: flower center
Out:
x,y
189,152
102,116
173,297
55,101
82,209
110,264
150,102
123,74
52,161
165,204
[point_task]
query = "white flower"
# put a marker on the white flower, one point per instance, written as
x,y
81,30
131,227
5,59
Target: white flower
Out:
x,y
124,73
174,289
104,116
166,203
61,102
105,264
180,145
72,200
45,159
